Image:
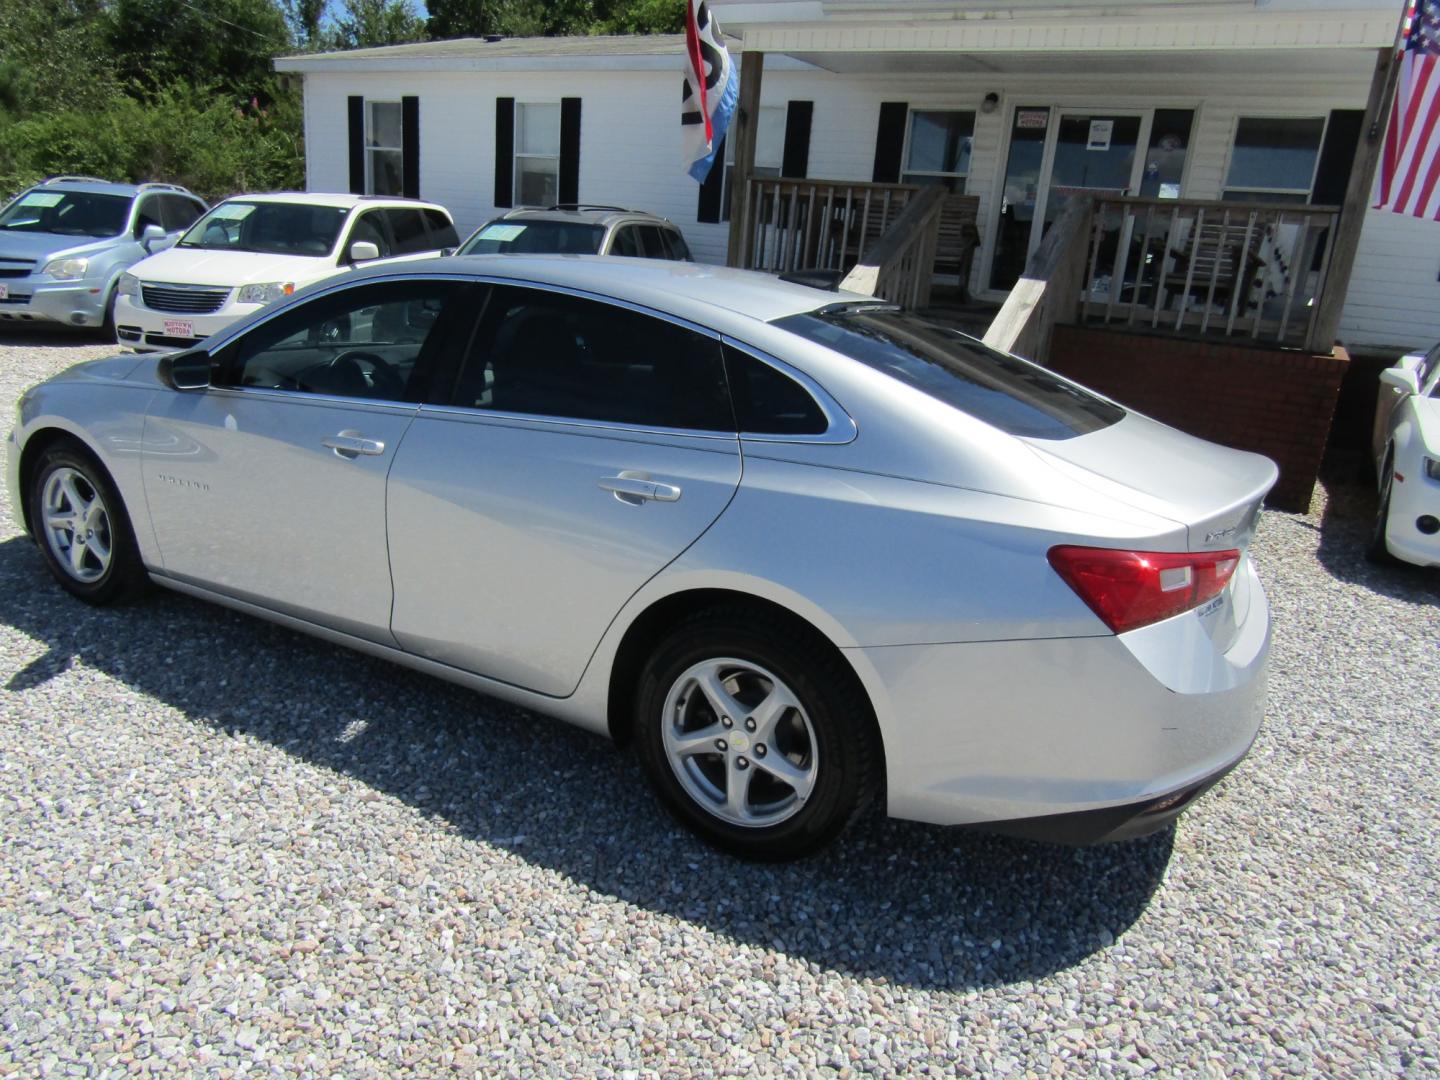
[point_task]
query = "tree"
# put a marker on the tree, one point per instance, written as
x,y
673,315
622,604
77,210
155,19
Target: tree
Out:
x,y
641,17
367,23
48,56
305,18
463,18
228,44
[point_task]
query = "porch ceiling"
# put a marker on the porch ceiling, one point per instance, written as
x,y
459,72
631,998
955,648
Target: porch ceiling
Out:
x,y
1348,64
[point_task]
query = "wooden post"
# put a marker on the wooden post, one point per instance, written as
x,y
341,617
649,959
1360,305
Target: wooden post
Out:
x,y
742,130
1346,239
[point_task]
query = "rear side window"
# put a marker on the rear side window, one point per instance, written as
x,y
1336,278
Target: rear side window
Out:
x,y
769,402
676,243
408,228
442,230
551,354
1004,391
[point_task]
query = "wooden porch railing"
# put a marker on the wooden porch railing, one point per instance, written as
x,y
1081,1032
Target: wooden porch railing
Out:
x,y
836,225
1198,268
900,266
1049,290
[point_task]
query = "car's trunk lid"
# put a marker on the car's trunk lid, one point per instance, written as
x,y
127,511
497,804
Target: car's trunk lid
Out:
x,y
1214,491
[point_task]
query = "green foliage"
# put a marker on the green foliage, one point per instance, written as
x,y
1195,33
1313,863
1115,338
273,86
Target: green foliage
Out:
x,y
368,23
642,17
229,44
305,18
463,18
48,56
181,134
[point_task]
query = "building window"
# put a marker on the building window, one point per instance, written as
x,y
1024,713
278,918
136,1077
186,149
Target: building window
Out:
x,y
384,158
537,153
1274,159
769,151
939,146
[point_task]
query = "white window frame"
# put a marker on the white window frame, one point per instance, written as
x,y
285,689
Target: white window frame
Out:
x,y
517,153
905,171
1226,187
371,145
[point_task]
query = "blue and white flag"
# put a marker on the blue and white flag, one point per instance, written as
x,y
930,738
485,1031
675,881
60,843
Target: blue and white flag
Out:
x,y
712,89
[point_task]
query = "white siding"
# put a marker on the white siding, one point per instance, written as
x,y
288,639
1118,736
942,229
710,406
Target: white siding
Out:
x,y
630,148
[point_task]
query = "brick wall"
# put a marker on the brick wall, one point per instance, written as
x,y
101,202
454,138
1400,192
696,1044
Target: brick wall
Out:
x,y
1275,402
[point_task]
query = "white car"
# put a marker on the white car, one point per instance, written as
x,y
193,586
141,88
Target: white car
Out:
x,y
1406,445
254,249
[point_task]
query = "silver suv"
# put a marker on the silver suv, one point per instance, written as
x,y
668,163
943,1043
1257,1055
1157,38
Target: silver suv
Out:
x,y
578,229
65,242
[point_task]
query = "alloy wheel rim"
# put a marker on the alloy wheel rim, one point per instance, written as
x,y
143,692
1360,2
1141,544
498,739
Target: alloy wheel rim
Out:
x,y
740,743
77,525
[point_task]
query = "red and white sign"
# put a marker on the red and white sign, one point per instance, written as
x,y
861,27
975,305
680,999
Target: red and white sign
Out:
x,y
179,328
4,291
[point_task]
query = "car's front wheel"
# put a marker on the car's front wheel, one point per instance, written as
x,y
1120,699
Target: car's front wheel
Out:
x,y
755,735
1378,551
81,527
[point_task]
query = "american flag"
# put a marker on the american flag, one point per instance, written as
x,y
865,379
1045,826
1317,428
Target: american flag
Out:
x,y
1410,163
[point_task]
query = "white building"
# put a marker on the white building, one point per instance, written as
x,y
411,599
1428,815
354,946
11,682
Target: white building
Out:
x,y
1018,105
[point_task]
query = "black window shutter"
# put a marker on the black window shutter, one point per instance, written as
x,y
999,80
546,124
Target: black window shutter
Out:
x,y
410,148
890,141
505,151
357,145
1337,156
713,187
796,161
570,150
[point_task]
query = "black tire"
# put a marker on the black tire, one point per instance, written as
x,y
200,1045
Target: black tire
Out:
x,y
1377,551
107,324
118,578
846,752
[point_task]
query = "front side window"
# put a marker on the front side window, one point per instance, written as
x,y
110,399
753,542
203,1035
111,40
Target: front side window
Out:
x,y
939,148
147,214
66,213
551,354
178,212
535,238
384,154
270,228
1274,159
365,342
1008,393
369,227
627,242
537,153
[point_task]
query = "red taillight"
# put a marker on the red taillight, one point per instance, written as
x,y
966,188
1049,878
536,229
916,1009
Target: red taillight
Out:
x,y
1130,589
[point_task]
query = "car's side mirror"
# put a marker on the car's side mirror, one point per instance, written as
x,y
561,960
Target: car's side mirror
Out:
x,y
1402,379
446,252
149,235
363,251
189,370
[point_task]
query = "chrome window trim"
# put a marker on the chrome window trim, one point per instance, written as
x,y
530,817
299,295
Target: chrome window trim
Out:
x,y
840,426
309,397
460,412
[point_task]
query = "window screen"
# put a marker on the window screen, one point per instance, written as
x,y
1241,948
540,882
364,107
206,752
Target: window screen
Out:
x,y
551,354
1004,391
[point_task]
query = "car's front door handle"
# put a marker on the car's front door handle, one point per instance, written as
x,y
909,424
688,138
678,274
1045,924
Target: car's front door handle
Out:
x,y
349,444
636,488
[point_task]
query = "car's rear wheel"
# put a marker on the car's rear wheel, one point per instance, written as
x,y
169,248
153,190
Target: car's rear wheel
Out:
x,y
82,529
1377,551
757,737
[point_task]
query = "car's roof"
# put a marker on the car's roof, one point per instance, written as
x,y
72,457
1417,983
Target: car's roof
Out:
x,y
686,289
92,187
330,198
584,214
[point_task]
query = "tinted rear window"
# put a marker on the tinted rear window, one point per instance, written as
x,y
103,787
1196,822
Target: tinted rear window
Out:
x,y
535,238
1005,392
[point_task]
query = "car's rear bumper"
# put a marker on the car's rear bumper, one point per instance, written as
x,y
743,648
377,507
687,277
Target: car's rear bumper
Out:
x,y
74,303
996,732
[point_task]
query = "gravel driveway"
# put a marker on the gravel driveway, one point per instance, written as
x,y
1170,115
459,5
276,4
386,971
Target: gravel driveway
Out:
x,y
231,848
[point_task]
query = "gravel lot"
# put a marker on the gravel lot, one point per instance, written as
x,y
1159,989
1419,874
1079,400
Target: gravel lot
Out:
x,y
232,849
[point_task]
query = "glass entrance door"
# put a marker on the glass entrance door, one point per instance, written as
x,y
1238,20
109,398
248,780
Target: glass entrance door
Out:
x,y
1055,155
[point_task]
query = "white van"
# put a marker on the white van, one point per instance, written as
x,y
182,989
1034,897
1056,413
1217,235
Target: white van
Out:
x,y
252,249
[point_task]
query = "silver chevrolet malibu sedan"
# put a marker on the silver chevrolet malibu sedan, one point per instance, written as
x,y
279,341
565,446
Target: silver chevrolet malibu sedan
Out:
x,y
801,548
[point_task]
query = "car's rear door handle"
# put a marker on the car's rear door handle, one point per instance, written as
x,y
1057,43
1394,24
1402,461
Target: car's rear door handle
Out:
x,y
635,488
349,444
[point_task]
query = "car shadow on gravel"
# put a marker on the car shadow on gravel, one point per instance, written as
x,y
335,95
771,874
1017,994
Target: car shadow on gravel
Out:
x,y
895,901
1345,529
53,336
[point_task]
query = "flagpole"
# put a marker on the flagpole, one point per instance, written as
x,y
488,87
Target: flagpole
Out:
x,y
1392,77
